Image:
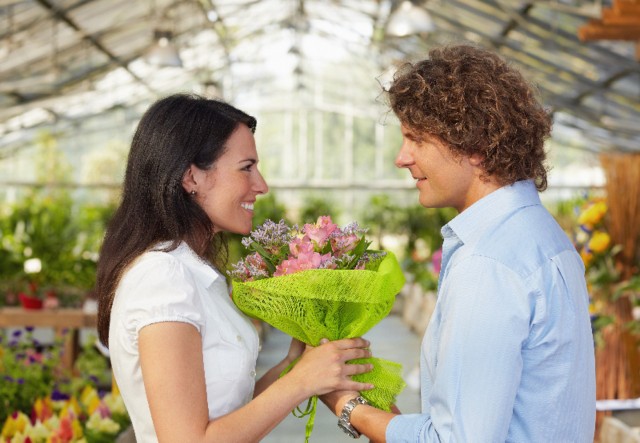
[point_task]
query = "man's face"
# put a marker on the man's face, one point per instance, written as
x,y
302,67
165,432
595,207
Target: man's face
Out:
x,y
443,179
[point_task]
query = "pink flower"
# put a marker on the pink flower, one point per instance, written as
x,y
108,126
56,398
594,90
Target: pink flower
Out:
x,y
51,302
303,262
342,244
300,245
436,260
321,230
256,261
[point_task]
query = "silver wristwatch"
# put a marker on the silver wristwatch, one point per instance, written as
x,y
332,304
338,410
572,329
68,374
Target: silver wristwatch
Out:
x,y
344,421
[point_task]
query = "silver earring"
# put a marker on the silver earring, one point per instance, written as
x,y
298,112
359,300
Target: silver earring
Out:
x,y
193,192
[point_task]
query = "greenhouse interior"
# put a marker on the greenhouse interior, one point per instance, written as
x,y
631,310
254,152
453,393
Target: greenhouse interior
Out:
x,y
76,77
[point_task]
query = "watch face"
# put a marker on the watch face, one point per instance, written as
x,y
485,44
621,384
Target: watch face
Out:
x,y
348,429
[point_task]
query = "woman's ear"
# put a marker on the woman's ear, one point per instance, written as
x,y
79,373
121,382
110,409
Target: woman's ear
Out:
x,y
189,181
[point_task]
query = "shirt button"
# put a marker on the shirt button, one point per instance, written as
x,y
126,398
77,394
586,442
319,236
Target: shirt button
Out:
x,y
253,373
239,337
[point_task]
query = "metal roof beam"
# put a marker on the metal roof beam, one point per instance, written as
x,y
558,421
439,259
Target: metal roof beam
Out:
x,y
62,16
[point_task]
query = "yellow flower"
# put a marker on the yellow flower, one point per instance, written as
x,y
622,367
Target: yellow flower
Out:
x,y
593,214
14,424
77,429
587,257
88,394
599,241
115,403
38,432
106,425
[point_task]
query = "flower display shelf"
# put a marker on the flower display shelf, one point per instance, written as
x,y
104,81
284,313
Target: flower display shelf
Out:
x,y
29,302
65,323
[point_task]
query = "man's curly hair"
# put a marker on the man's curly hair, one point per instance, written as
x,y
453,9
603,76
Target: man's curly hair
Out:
x,y
474,101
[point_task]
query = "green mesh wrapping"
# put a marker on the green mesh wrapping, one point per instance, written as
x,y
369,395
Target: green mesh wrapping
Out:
x,y
334,304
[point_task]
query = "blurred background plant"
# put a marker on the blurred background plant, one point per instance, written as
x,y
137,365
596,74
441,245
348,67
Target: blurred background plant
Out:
x,y
593,243
39,399
605,282
62,236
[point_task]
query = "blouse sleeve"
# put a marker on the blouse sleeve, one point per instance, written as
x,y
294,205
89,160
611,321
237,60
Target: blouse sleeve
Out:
x,y
159,288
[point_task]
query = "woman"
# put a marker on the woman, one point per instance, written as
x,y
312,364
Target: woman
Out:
x,y
183,356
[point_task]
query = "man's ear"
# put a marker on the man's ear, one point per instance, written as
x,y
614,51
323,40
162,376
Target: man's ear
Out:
x,y
476,159
188,180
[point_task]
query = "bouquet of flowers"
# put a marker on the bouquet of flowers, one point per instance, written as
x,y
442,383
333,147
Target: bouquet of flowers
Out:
x,y
321,281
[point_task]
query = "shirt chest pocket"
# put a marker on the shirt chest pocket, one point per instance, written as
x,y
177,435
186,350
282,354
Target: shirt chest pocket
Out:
x,y
228,355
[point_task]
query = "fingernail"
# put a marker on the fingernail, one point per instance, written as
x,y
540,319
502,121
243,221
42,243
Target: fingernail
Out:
x,y
324,340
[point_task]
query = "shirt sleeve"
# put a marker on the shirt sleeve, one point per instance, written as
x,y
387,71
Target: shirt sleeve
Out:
x,y
160,289
475,359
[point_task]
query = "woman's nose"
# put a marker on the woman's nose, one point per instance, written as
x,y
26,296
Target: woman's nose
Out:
x,y
261,185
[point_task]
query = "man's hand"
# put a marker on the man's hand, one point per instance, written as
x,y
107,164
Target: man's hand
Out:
x,y
336,400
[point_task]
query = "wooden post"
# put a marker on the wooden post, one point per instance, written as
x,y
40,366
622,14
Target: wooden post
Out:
x,y
618,361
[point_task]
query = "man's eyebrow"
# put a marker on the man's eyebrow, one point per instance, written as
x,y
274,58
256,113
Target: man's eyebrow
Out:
x,y
409,134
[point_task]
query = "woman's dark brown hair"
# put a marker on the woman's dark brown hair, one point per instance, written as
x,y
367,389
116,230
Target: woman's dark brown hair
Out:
x,y
174,133
476,103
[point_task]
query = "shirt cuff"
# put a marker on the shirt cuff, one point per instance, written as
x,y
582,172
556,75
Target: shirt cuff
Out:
x,y
406,428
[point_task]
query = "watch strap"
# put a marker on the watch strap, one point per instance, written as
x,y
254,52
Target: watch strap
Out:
x,y
344,420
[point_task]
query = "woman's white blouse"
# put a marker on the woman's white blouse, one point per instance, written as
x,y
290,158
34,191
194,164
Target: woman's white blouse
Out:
x,y
178,286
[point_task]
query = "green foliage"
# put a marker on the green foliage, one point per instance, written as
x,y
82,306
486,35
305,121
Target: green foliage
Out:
x,y
268,208
381,217
28,371
92,366
314,207
64,235
421,227
425,223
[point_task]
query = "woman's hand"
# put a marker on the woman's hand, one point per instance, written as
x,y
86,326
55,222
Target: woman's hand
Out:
x,y
296,348
324,369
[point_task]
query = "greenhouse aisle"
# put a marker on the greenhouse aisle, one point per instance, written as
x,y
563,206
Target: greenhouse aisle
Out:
x,y
391,339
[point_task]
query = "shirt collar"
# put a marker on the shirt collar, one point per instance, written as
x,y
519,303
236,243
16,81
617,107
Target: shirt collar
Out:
x,y
485,211
202,270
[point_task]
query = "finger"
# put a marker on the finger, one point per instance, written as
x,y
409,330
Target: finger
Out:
x,y
348,343
353,354
350,385
353,369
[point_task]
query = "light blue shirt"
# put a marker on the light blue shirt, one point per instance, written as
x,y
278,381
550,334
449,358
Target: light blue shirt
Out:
x,y
508,355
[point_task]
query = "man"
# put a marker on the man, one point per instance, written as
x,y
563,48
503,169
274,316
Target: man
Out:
x,y
508,354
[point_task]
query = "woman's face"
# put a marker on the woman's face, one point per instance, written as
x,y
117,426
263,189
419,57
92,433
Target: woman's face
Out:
x,y
228,190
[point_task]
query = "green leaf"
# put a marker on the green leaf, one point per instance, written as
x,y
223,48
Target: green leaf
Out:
x,y
255,246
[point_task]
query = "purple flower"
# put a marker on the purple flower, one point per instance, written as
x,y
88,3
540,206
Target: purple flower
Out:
x,y
56,395
271,236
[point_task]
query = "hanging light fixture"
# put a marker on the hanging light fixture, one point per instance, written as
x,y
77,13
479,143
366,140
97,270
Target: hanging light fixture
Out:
x,y
164,53
409,19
